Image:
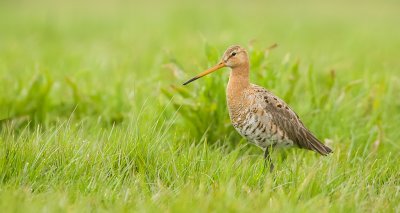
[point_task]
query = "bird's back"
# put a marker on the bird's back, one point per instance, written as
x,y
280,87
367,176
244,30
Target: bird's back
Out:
x,y
266,120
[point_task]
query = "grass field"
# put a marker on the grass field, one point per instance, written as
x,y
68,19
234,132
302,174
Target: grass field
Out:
x,y
94,117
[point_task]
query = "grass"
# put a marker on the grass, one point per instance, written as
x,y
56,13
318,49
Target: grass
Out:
x,y
93,116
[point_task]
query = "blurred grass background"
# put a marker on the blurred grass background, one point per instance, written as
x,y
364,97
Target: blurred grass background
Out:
x,y
93,115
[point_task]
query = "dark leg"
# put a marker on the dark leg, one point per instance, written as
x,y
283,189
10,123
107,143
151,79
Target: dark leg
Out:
x,y
268,160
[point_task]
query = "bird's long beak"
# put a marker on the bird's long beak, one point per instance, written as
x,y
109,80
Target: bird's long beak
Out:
x,y
212,69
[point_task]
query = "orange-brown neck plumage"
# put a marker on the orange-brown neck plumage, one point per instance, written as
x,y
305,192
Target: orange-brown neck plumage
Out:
x,y
238,80
236,90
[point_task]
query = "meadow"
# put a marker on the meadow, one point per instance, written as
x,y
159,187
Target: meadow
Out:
x,y
94,117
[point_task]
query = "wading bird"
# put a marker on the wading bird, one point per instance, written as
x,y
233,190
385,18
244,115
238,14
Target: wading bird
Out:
x,y
261,117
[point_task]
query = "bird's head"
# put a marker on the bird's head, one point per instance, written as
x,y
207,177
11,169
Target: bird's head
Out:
x,y
234,56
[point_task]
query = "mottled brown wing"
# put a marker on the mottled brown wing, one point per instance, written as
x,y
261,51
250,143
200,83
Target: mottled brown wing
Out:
x,y
288,121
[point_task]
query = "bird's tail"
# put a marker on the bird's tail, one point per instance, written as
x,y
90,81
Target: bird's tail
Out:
x,y
317,146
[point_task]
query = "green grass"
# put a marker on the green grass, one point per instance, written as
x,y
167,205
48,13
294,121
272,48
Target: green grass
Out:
x,y
93,116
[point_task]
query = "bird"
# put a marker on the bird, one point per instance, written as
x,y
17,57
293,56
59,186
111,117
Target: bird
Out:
x,y
257,114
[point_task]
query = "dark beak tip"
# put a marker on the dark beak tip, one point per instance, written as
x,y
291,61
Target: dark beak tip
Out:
x,y
187,82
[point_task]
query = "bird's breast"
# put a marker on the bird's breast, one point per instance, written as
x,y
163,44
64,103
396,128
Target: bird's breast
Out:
x,y
238,106
255,123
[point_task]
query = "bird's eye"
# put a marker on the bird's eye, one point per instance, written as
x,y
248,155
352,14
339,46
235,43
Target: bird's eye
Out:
x,y
233,54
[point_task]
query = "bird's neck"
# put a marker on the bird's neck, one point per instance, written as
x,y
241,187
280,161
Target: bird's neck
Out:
x,y
239,78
